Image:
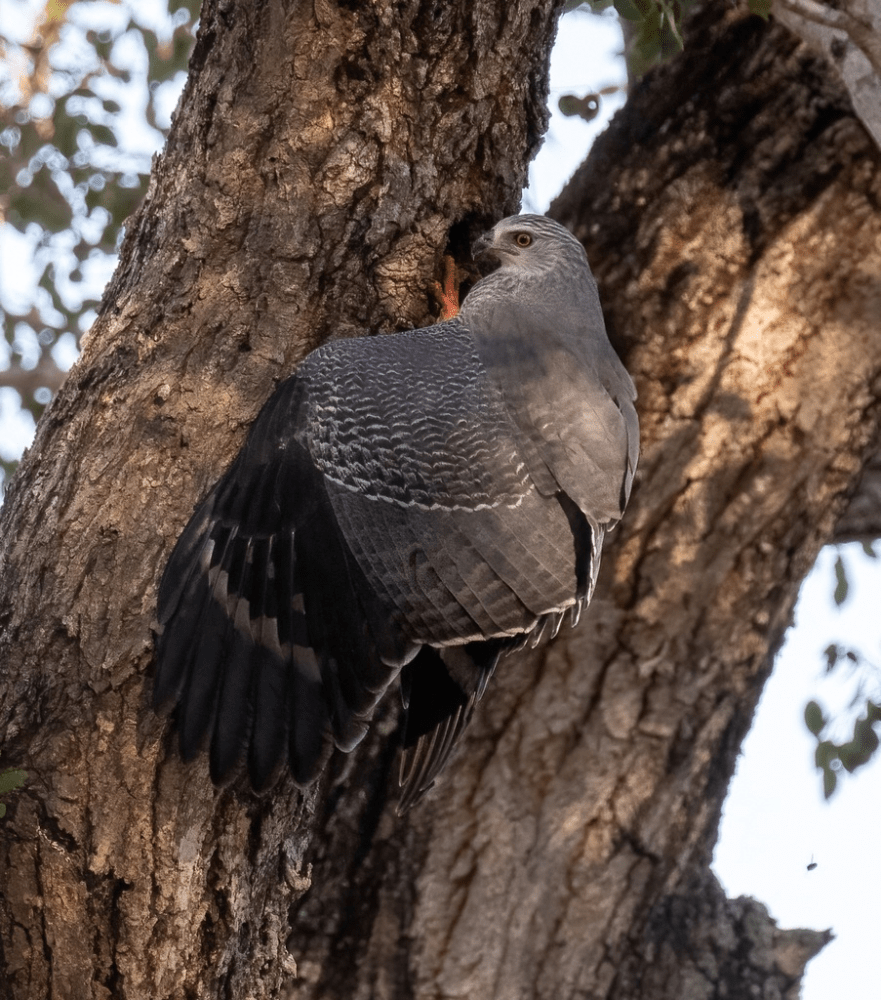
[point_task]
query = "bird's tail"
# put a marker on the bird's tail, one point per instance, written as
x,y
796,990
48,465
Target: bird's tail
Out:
x,y
440,688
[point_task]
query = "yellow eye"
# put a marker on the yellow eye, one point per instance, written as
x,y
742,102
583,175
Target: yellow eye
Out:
x,y
523,239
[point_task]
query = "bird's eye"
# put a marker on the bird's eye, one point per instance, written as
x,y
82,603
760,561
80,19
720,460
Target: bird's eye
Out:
x,y
523,239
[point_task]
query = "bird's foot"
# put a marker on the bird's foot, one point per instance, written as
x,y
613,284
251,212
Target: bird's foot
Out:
x,y
447,291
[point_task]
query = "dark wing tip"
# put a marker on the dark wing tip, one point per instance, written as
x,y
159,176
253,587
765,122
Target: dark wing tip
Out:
x,y
423,762
440,690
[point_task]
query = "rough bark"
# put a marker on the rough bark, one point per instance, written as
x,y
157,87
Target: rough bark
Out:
x,y
323,157
861,520
732,217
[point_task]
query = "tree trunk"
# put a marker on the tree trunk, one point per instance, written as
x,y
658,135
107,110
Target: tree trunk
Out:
x,y
322,157
320,163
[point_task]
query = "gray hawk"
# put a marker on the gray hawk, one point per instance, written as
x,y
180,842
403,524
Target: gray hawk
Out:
x,y
409,505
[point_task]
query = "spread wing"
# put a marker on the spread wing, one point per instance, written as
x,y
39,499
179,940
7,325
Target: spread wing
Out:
x,y
261,612
416,503
380,503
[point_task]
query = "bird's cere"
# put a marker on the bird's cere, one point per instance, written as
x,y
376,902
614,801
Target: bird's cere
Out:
x,y
409,506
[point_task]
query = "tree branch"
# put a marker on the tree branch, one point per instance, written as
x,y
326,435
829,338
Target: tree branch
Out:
x,y
26,381
852,43
861,33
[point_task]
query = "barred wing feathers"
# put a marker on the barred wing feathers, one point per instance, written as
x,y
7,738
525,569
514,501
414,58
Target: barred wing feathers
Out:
x,y
414,504
256,609
380,503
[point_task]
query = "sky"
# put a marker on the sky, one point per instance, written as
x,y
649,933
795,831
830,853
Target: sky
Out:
x,y
775,821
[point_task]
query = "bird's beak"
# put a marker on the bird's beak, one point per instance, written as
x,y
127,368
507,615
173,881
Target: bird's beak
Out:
x,y
483,244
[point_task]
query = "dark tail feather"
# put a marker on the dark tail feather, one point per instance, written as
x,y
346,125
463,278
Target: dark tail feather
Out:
x,y
339,625
232,715
242,658
440,689
421,763
270,639
270,719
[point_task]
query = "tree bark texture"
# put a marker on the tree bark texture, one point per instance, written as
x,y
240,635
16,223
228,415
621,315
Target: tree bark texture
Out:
x,y
322,160
323,157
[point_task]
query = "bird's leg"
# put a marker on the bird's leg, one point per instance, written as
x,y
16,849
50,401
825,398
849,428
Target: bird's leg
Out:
x,y
447,291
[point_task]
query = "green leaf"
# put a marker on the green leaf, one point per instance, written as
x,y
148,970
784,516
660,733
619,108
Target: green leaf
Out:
x,y
103,47
848,757
657,36
829,782
633,10
841,584
103,135
825,753
814,718
670,17
865,739
42,202
870,552
761,7
10,779
832,653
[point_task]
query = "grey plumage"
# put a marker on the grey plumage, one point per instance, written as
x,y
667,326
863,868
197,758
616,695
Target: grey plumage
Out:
x,y
417,504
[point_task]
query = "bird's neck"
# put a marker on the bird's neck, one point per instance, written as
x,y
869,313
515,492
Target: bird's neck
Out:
x,y
533,289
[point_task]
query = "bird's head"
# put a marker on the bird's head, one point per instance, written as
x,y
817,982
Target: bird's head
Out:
x,y
530,242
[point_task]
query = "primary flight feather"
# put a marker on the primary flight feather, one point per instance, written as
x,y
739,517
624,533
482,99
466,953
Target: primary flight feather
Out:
x,y
413,504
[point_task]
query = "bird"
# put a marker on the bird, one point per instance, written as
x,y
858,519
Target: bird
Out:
x,y
407,507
